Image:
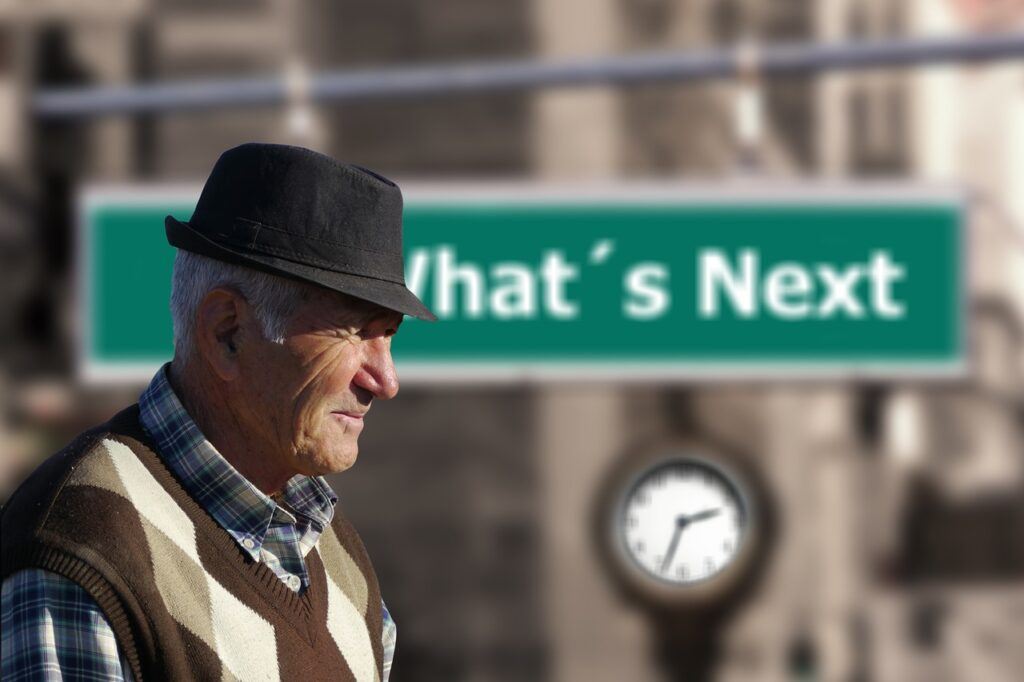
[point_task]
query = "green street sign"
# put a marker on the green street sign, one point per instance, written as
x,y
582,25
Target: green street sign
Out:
x,y
625,282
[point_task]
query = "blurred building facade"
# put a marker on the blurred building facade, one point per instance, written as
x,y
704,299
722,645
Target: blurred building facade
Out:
x,y
900,552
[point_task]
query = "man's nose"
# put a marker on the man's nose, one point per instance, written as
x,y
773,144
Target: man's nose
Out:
x,y
378,374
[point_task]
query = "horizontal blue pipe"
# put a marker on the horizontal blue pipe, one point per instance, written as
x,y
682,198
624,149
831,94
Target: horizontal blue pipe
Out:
x,y
424,81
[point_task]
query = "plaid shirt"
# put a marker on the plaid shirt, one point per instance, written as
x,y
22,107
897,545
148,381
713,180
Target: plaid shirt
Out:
x,y
52,629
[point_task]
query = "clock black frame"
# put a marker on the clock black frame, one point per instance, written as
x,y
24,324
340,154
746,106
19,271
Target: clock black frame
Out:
x,y
714,592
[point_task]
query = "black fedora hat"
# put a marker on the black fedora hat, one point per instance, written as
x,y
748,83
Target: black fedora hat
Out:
x,y
296,213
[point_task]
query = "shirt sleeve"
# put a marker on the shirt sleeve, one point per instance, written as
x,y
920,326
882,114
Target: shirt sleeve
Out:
x,y
389,638
53,630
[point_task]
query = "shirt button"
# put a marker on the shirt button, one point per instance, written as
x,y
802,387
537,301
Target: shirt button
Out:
x,y
293,582
248,543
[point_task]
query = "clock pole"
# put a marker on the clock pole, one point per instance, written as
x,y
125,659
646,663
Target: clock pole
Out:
x,y
686,644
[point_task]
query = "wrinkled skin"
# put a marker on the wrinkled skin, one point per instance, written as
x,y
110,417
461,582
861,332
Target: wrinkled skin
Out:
x,y
276,410
310,394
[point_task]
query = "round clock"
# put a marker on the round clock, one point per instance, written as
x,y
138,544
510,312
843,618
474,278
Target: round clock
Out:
x,y
682,524
683,521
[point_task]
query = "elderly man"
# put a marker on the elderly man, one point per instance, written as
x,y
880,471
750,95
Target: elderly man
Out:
x,y
192,536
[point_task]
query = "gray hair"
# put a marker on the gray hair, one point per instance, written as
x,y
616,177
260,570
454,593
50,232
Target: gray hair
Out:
x,y
273,299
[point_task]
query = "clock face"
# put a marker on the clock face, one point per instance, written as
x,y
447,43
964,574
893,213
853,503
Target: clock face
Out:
x,y
683,521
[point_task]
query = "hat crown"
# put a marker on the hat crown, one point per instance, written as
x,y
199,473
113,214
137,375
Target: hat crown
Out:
x,y
301,205
298,213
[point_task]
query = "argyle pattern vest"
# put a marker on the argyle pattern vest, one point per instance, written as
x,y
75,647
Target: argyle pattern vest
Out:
x,y
184,601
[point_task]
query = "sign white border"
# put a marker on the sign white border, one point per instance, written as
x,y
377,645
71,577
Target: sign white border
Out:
x,y
875,193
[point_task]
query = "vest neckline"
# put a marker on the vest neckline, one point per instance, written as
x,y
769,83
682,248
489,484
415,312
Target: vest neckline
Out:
x,y
304,612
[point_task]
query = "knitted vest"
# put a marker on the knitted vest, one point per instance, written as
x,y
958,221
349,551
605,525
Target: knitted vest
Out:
x,y
185,602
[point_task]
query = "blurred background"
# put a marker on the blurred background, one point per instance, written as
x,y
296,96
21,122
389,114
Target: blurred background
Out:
x,y
897,548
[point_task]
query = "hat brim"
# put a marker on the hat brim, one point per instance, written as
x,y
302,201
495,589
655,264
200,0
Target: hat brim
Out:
x,y
390,295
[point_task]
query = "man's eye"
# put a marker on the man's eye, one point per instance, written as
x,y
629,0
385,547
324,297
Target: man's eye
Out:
x,y
345,333
374,332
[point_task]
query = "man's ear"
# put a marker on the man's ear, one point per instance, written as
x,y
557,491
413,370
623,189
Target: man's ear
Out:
x,y
219,320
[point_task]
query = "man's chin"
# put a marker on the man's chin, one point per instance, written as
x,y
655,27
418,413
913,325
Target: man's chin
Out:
x,y
323,463
338,463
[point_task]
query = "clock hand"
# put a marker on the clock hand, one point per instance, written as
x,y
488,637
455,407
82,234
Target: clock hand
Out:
x,y
681,522
701,515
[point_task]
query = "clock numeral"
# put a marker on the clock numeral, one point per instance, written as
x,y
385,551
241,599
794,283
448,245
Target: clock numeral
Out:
x,y
640,546
709,565
681,572
632,522
642,498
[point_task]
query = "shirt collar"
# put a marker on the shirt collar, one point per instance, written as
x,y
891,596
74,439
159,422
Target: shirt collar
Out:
x,y
242,509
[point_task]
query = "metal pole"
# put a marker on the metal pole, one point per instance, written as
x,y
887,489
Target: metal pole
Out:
x,y
426,81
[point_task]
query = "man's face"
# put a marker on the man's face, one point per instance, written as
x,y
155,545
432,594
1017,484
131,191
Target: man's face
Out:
x,y
309,395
